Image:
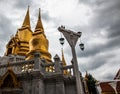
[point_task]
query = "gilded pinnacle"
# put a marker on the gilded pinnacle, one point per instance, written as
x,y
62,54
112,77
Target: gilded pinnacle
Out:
x,y
39,26
26,22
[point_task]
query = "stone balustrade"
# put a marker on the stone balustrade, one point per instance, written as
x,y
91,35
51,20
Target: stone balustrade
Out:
x,y
36,64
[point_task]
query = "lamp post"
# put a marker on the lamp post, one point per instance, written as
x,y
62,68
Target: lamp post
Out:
x,y
72,38
114,85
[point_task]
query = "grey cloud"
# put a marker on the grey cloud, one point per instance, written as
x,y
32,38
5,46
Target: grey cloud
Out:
x,y
46,16
106,15
97,62
6,30
6,27
92,65
114,30
90,51
93,3
22,4
109,76
112,44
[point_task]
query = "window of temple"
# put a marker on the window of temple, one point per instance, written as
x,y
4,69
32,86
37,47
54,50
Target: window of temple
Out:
x,y
9,51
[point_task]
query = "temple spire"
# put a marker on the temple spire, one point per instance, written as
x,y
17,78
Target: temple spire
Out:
x,y
63,59
86,75
65,72
39,26
26,22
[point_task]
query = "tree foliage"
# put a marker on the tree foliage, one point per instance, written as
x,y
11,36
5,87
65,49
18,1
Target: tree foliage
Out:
x,y
91,84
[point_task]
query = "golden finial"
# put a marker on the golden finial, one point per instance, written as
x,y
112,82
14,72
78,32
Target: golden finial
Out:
x,y
26,22
39,26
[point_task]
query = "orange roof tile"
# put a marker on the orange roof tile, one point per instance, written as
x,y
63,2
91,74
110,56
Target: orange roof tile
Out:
x,y
105,87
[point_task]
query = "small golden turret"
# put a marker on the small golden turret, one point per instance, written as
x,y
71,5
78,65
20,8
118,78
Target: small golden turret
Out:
x,y
65,72
38,42
13,46
63,59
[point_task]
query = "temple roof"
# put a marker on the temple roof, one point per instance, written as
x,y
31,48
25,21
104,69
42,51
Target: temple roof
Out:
x,y
117,75
106,88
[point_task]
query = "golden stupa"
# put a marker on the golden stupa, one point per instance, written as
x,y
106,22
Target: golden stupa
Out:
x,y
19,44
26,43
39,42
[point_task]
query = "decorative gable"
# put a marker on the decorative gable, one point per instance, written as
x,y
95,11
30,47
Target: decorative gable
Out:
x,y
9,80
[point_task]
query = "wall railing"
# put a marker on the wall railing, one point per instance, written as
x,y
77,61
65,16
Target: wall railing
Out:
x,y
37,64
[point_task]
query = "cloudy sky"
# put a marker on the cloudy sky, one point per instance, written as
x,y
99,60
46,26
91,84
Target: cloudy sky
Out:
x,y
98,20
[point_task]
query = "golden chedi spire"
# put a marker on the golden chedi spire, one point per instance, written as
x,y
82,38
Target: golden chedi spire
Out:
x,y
38,42
19,44
24,35
39,26
26,22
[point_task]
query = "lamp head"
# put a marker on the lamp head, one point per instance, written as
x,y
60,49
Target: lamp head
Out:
x,y
81,46
62,40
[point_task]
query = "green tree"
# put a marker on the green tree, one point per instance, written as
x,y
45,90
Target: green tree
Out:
x,y
91,84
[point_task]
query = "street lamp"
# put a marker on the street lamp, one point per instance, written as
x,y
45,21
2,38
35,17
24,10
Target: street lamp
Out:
x,y
72,38
62,40
81,46
114,85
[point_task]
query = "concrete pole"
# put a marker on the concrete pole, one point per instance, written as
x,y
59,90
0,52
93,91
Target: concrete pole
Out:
x,y
77,74
72,38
